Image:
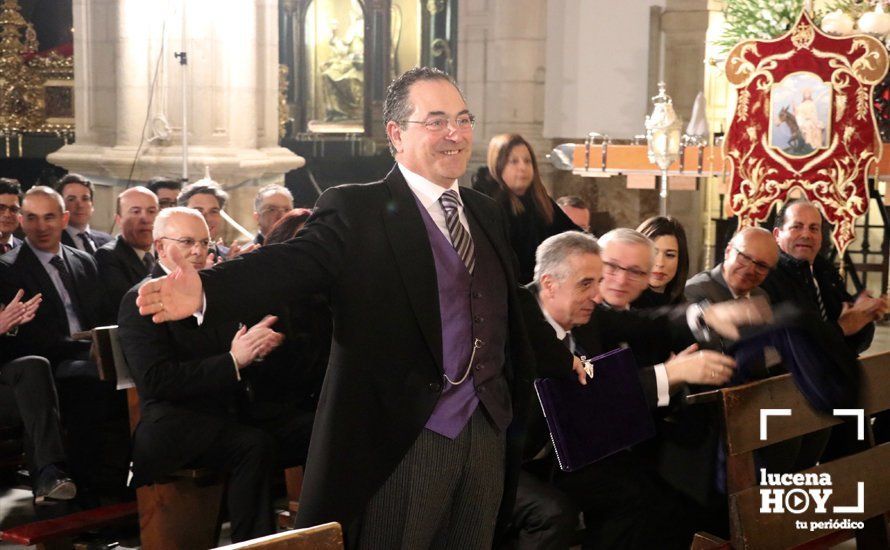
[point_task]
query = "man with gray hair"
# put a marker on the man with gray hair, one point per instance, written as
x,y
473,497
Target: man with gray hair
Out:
x,y
272,202
617,495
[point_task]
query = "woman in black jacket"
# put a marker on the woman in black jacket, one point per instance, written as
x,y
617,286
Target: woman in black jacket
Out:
x,y
532,214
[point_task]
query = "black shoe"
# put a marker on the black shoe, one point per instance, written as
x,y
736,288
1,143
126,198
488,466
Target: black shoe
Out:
x,y
53,484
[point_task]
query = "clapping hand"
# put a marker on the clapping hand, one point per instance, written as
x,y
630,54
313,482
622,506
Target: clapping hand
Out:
x,y
255,343
863,311
726,317
237,249
17,313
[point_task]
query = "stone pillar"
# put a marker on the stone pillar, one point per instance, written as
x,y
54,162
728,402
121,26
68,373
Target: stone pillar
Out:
x,y
128,106
501,50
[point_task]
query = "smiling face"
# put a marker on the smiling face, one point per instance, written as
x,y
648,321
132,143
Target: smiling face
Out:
x,y
440,157
749,258
182,227
626,269
667,258
43,221
570,301
208,206
801,234
273,207
9,219
519,170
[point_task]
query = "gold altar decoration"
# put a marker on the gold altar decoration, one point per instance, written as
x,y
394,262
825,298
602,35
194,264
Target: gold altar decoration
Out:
x,y
35,91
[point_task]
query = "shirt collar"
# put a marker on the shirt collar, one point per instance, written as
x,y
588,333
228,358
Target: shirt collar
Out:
x,y
427,192
560,332
73,231
9,239
43,256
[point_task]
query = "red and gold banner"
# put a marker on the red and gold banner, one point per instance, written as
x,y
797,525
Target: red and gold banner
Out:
x,y
804,120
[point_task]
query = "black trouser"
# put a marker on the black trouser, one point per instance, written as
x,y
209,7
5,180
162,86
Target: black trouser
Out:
x,y
30,381
544,518
247,454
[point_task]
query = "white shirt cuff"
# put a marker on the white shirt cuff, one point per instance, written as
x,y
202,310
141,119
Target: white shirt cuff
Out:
x,y
235,363
661,385
695,319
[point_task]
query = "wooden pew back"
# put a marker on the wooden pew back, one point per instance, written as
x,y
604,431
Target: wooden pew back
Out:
x,y
327,536
866,472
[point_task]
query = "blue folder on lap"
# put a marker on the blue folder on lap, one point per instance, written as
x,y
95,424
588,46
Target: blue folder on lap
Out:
x,y
607,415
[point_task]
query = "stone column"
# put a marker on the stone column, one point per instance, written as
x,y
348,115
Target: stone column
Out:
x,y
128,106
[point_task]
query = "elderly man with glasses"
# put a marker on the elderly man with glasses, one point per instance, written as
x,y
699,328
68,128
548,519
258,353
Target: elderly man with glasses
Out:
x,y
750,256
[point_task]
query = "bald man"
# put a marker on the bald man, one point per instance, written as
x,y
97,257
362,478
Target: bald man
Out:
x,y
750,256
128,259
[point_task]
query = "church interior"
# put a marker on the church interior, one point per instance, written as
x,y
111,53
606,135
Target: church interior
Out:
x,y
710,113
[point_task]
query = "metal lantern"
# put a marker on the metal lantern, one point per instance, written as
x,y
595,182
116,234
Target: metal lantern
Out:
x,y
663,135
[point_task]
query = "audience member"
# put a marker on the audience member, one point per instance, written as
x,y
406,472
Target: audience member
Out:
x,y
72,302
750,256
670,264
577,210
624,504
78,191
166,190
531,213
188,378
810,281
287,227
272,202
28,396
128,259
208,197
10,203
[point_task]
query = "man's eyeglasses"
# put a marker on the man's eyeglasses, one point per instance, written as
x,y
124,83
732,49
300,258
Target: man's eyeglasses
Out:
x,y
761,267
274,210
610,268
7,208
188,242
463,123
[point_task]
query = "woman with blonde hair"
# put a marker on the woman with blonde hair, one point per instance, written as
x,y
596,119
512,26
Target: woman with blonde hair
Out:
x,y
532,214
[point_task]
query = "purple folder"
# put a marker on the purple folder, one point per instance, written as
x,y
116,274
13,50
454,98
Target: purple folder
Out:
x,y
607,415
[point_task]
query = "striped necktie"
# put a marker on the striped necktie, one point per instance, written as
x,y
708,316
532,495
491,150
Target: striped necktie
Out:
x,y
460,237
88,244
822,311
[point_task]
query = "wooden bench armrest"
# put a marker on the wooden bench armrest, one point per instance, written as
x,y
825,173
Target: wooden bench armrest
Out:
x,y
712,396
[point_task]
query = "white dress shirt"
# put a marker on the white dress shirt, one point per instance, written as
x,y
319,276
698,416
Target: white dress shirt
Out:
x,y
45,258
428,193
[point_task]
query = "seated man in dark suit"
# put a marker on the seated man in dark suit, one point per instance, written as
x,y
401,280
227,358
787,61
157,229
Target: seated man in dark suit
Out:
x,y
28,396
750,256
72,302
78,193
128,259
189,379
10,203
621,500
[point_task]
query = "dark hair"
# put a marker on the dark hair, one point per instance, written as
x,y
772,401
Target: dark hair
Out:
x,y
10,186
499,149
659,226
573,201
782,214
75,178
202,187
288,226
396,106
160,182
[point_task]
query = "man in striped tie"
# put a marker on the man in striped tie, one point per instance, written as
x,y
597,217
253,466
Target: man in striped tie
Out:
x,y
413,445
807,279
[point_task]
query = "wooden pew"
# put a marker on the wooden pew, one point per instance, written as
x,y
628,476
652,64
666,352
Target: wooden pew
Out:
x,y
741,408
328,536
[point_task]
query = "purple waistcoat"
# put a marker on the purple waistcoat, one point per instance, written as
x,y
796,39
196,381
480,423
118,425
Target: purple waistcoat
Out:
x,y
471,308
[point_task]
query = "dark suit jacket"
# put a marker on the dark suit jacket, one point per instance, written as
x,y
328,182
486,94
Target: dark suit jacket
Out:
x,y
119,269
606,330
100,238
790,282
186,382
366,245
48,334
711,286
